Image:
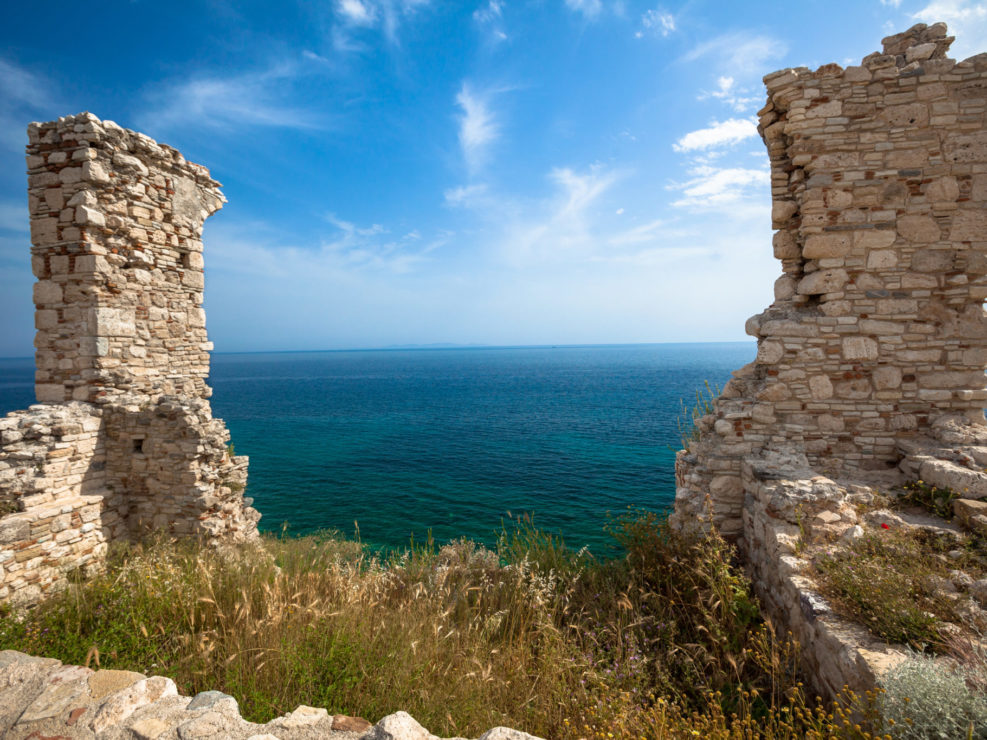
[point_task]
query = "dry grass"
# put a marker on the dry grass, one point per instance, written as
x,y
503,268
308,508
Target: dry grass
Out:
x,y
664,642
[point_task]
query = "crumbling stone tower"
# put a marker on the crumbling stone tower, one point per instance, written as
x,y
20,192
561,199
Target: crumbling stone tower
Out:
x,y
870,360
123,439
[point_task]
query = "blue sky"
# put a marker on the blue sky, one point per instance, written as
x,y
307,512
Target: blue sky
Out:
x,y
416,171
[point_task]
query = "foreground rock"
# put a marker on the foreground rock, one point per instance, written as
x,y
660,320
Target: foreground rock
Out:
x,y
42,698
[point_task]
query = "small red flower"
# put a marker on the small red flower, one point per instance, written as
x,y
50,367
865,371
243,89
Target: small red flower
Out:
x,y
884,526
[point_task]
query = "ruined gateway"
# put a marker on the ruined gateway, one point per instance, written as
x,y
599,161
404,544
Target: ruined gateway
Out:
x,y
869,371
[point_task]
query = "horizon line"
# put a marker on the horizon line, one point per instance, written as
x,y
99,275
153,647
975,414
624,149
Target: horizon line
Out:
x,y
441,346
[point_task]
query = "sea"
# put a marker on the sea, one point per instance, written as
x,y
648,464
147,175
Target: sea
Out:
x,y
401,445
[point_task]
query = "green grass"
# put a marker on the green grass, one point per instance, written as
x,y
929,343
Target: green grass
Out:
x,y
888,581
666,641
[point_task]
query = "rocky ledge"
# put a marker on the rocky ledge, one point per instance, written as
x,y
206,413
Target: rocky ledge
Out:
x,y
42,698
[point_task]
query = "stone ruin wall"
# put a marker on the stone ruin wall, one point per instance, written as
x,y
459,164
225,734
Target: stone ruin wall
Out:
x,y
122,440
870,361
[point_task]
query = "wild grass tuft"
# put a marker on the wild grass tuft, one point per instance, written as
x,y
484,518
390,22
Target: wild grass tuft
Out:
x,y
890,581
665,641
935,500
689,415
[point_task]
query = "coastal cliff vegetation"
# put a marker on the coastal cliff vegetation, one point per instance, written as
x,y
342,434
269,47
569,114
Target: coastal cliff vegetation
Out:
x,y
664,641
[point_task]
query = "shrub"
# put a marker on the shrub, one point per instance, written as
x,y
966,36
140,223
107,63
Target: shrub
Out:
x,y
935,500
924,699
887,581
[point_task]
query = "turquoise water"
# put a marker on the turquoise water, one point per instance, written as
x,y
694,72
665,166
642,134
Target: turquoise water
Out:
x,y
403,442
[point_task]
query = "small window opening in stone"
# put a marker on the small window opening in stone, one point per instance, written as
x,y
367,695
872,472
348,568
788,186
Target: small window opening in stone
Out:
x,y
186,262
138,445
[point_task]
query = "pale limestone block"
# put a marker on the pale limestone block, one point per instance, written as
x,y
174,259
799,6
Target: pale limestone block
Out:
x,y
920,52
912,115
826,110
763,413
774,392
784,246
921,229
839,198
782,210
111,322
823,281
150,728
933,260
128,162
904,422
400,726
785,287
969,225
89,216
943,190
951,379
875,326
975,356
962,148
978,191
882,259
821,387
823,246
836,308
723,427
54,198
857,74
874,239
856,389
831,423
94,172
44,230
84,197
886,378
70,175
770,352
915,280
47,292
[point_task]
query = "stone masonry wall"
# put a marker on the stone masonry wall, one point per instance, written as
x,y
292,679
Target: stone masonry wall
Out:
x,y
116,224
870,361
879,187
123,440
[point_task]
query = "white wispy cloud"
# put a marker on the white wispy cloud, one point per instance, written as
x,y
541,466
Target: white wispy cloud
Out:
x,y
967,20
385,15
588,8
490,17
260,98
718,134
657,22
24,95
718,187
467,196
490,12
728,92
478,128
356,12
891,3
739,53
